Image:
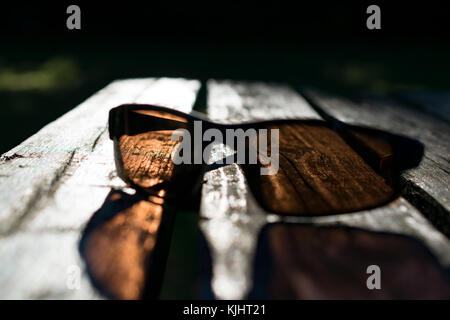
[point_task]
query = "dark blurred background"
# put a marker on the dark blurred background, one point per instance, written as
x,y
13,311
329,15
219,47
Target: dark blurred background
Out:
x,y
46,69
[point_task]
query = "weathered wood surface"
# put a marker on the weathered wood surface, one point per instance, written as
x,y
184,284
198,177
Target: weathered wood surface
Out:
x,y
437,103
126,243
426,186
233,218
54,181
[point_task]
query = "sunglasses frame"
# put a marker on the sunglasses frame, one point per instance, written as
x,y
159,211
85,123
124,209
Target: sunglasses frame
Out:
x,y
123,120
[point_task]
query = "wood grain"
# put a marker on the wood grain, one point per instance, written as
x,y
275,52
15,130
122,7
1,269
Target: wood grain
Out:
x,y
54,181
146,159
126,243
426,186
232,215
319,174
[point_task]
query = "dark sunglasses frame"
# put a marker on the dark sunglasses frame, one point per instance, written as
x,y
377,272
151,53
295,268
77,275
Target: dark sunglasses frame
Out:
x,y
125,119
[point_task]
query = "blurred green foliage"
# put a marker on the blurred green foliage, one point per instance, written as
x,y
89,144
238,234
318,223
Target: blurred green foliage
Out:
x,y
58,73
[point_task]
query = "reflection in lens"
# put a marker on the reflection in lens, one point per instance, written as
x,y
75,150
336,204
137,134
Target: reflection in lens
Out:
x,y
147,158
144,153
319,173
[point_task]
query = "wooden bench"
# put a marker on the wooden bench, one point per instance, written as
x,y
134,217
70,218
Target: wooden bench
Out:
x,y
54,182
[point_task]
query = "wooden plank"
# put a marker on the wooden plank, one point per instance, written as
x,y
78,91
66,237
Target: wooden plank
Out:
x,y
426,186
437,103
232,216
233,219
126,242
236,102
54,181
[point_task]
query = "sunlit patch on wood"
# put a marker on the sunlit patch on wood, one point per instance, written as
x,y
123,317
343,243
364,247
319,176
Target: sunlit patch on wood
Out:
x,y
118,249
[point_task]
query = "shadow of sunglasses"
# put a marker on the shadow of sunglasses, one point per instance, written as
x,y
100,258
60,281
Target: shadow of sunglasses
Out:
x,y
323,168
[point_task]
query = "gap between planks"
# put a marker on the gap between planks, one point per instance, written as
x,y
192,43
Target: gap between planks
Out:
x,y
233,218
55,180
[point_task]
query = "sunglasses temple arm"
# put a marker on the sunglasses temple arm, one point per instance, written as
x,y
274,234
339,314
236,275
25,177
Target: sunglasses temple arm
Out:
x,y
406,152
132,123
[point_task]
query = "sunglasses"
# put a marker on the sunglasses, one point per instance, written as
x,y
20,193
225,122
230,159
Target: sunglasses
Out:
x,y
322,168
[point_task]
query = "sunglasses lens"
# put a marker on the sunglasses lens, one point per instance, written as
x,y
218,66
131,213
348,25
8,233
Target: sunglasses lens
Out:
x,y
146,158
144,152
318,171
318,174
